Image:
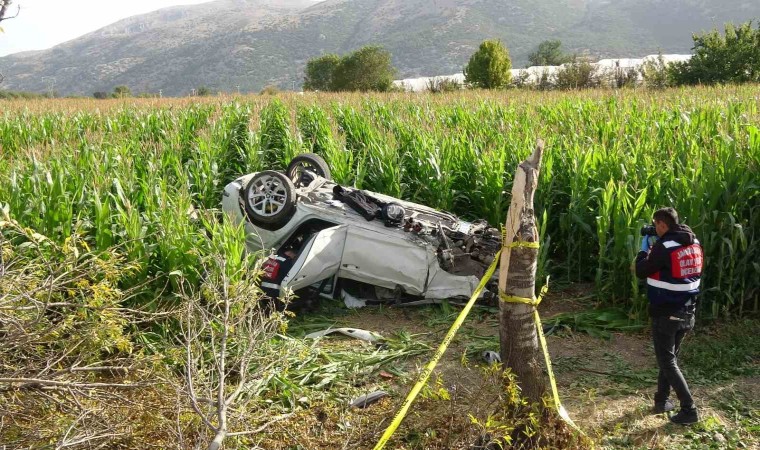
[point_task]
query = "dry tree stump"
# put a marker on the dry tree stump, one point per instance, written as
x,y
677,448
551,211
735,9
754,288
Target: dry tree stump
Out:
x,y
517,277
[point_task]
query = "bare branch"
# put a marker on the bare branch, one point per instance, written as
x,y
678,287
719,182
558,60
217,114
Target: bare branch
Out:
x,y
4,4
36,383
190,365
261,428
223,312
88,438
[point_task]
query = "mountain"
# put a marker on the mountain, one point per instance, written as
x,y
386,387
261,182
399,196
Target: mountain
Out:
x,y
248,44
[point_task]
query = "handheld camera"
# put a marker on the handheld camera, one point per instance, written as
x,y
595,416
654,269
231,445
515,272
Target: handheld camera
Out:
x,y
648,230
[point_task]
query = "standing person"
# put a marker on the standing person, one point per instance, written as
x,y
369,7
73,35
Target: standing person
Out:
x,y
672,267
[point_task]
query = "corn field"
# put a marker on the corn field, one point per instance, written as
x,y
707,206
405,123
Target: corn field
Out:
x,y
146,175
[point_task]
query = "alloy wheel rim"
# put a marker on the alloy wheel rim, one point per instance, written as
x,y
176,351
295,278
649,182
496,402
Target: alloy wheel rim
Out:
x,y
268,196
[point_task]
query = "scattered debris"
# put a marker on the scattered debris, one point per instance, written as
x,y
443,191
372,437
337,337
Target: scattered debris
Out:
x,y
368,399
364,335
351,301
491,357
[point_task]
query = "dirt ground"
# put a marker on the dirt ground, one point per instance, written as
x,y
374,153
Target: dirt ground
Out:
x,y
606,384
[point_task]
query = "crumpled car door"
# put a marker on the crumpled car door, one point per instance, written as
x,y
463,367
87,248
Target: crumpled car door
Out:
x,y
320,258
374,258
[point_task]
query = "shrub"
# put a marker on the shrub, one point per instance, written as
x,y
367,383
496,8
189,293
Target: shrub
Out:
x,y
438,85
549,53
121,92
546,81
24,95
521,80
655,73
367,69
320,72
489,66
730,58
270,90
625,77
579,74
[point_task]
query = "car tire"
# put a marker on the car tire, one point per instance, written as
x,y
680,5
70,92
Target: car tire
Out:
x,y
307,161
269,199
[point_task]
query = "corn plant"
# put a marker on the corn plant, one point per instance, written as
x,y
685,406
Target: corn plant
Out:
x,y
145,176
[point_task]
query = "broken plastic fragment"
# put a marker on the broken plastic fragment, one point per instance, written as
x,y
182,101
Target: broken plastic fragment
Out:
x,y
351,301
491,357
357,333
368,399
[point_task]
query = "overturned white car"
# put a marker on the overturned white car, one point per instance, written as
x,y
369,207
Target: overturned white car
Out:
x,y
337,239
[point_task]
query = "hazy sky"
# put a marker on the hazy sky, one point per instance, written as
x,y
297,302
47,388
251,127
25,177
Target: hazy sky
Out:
x,y
45,23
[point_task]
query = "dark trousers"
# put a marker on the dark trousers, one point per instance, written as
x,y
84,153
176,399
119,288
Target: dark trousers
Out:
x,y
667,334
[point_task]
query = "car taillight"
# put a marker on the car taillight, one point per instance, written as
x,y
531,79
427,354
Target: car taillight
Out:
x,y
271,268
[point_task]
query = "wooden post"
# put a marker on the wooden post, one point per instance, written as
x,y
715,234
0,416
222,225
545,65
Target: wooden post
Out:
x,y
517,277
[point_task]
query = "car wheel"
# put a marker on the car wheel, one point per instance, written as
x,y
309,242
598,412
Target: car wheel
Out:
x,y
269,199
303,167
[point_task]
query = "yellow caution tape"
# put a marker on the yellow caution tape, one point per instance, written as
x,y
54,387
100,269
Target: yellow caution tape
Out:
x,y
436,357
528,301
524,244
425,375
517,244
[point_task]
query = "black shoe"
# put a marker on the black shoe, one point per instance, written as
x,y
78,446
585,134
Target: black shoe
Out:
x,y
686,417
663,407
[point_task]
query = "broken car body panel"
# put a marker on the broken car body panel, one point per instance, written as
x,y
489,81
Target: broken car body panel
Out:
x,y
320,259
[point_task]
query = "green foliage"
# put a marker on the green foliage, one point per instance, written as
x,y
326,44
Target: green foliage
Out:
x,y
10,95
522,79
549,53
733,57
320,72
578,74
545,81
85,299
721,352
270,90
655,73
367,69
319,137
516,423
489,67
441,85
121,92
145,175
203,91
599,322
101,95
622,78
276,140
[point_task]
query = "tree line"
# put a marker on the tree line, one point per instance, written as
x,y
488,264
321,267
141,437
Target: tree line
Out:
x,y
729,57
366,69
